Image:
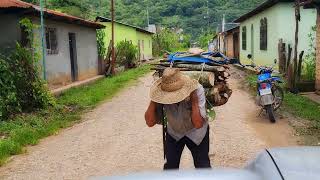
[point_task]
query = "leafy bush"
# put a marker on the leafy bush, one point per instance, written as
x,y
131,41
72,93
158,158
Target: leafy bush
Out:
x,y
126,54
205,38
21,87
8,96
166,40
309,63
101,42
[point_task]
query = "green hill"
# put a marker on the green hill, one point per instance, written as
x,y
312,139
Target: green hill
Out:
x,y
191,15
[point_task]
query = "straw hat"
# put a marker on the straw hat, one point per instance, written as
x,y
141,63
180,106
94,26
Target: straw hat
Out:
x,y
173,87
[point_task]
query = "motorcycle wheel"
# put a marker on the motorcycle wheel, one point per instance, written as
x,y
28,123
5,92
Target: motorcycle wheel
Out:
x,y
278,97
270,113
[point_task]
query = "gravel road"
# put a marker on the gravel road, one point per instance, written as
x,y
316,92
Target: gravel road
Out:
x,y
113,139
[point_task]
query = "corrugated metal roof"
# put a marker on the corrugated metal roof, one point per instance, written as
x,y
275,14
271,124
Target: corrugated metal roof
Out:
x,y
49,13
227,27
104,19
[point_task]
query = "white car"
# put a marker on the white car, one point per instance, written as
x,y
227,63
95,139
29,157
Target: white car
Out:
x,y
299,163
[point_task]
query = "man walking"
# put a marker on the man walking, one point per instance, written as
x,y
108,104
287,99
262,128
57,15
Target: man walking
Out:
x,y
184,104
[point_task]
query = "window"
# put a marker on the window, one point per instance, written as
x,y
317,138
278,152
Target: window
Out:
x,y
263,34
244,38
51,41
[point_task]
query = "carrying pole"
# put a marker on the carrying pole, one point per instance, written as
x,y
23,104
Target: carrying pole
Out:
x,y
164,134
112,38
43,42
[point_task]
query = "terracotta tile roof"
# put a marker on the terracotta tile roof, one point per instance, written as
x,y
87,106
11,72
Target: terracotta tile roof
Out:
x,y
14,3
50,14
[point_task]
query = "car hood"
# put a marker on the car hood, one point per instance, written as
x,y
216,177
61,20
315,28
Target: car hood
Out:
x,y
215,174
299,163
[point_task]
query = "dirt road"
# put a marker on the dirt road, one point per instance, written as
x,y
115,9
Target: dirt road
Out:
x,y
114,139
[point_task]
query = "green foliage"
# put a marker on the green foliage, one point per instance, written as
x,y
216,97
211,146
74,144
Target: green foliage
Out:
x,y
165,41
252,81
309,62
186,43
8,91
191,15
126,53
28,27
205,38
29,128
302,107
34,41
101,34
22,89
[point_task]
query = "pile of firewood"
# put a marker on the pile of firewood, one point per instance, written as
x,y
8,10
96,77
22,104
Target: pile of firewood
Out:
x,y
212,78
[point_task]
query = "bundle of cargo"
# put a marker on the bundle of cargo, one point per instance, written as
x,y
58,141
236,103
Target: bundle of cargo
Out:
x,y
211,74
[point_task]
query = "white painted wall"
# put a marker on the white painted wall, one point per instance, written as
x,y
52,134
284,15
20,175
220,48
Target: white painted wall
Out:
x,y
281,24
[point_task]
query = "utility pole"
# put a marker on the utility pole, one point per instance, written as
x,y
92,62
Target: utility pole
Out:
x,y
42,42
100,8
223,22
208,18
112,38
148,16
296,36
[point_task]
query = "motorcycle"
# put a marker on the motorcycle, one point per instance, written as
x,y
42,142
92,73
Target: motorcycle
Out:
x,y
269,94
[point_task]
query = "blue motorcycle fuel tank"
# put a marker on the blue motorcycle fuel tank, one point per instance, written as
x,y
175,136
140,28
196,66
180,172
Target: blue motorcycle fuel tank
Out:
x,y
263,77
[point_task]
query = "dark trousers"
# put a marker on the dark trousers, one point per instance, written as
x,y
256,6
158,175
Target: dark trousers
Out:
x,y
199,153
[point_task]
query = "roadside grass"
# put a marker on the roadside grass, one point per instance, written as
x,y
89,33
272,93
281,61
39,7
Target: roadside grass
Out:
x,y
301,107
28,129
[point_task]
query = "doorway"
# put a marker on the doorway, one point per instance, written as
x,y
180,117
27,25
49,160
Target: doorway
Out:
x,y
236,45
252,41
73,56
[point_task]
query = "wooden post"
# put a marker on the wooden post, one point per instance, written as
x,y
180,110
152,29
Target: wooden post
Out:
x,y
289,57
290,76
282,56
318,52
300,66
296,39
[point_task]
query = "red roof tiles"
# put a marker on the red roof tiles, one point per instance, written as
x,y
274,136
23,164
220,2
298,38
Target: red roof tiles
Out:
x,y
49,13
14,3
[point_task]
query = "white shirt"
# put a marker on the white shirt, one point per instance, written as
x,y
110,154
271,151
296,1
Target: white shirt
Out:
x,y
179,119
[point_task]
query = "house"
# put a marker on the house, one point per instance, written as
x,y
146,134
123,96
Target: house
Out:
x,y
227,40
71,43
138,36
220,42
316,4
263,27
232,44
